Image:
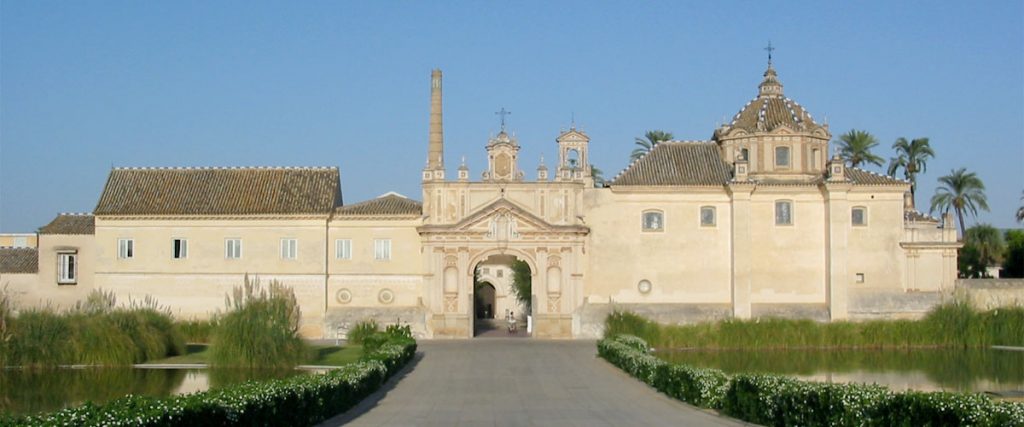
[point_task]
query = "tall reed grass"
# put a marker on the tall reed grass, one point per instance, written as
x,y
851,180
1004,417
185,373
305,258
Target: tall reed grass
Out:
x,y
953,325
197,331
93,333
260,330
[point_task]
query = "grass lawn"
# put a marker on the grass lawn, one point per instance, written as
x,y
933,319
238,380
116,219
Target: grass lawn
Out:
x,y
322,355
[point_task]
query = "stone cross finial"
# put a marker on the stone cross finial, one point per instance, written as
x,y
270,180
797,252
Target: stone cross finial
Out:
x,y
502,113
769,48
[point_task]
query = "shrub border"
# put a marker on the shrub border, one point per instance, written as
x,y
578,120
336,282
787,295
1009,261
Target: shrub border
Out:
x,y
298,400
776,400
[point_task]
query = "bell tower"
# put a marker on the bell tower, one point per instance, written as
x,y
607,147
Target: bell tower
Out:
x,y
573,163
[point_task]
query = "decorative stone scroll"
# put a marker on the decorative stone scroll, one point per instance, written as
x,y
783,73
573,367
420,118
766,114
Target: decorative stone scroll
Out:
x,y
451,303
553,303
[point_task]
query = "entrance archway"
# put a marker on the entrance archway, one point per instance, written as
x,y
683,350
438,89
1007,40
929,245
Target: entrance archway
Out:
x,y
502,286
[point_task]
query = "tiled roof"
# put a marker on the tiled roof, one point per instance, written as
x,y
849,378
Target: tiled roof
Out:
x,y
220,191
19,260
71,223
771,109
390,204
677,163
863,177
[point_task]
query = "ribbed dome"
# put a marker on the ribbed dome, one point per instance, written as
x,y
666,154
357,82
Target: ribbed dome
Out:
x,y
771,109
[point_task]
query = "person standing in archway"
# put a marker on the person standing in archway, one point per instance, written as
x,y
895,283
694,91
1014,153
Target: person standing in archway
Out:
x,y
511,322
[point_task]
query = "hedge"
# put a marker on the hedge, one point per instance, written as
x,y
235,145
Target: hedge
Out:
x,y
775,400
298,400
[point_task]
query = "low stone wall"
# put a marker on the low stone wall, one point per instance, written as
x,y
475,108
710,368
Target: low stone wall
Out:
x,y
591,317
987,294
868,304
339,321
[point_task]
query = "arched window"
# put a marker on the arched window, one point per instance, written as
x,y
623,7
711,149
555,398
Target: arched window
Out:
x,y
782,157
707,216
653,221
745,154
859,216
783,212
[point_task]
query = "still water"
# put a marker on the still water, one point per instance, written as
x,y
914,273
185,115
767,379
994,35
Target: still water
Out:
x,y
972,370
32,391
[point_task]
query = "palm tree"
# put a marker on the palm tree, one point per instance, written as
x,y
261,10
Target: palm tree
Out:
x,y
653,138
598,176
1020,210
855,147
912,158
960,191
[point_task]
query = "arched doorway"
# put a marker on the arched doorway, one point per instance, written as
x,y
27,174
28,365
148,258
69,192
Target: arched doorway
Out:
x,y
502,291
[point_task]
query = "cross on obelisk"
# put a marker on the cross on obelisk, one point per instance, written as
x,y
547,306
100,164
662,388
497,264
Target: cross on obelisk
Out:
x,y
769,48
502,113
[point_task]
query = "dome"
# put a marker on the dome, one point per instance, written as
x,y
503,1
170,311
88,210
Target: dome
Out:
x,y
772,109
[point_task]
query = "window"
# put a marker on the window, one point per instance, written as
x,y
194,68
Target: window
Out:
x,y
859,278
859,216
232,248
67,267
783,212
125,248
707,216
782,157
179,249
343,249
382,249
744,154
653,221
289,248
20,242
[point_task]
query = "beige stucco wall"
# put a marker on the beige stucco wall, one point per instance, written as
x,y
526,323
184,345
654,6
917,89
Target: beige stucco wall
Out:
x,y
685,263
23,240
47,292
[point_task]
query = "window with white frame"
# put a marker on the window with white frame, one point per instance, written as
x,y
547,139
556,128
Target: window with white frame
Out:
x,y
179,249
859,216
782,157
707,216
343,249
783,212
289,248
653,221
232,248
382,249
67,267
125,248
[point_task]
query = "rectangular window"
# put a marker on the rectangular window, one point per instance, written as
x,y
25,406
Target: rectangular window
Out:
x,y
382,249
783,213
858,216
859,277
20,242
289,248
707,216
125,248
782,157
179,249
653,221
67,267
232,248
343,248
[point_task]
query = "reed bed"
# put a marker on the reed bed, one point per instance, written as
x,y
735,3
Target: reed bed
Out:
x,y
260,330
953,325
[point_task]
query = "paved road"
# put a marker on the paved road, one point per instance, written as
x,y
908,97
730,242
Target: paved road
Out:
x,y
519,382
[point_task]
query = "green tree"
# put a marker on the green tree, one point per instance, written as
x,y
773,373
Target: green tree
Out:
x,y
912,157
522,284
988,242
651,139
960,191
1020,210
1013,261
598,176
855,147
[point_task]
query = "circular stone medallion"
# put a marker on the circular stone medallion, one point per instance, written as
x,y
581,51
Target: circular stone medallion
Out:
x,y
343,296
386,296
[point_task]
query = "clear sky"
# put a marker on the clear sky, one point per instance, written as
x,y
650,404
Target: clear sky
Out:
x,y
89,85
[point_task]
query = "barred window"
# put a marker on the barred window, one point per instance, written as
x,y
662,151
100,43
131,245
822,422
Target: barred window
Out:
x,y
783,212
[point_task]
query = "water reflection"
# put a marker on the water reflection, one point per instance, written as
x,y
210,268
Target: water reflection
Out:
x,y
32,391
973,370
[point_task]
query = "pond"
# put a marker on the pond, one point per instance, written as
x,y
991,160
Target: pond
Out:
x,y
32,391
971,370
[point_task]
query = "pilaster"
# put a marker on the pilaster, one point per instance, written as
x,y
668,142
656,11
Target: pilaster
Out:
x,y
742,245
837,280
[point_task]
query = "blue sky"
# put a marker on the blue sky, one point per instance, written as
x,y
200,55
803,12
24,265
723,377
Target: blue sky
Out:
x,y
89,85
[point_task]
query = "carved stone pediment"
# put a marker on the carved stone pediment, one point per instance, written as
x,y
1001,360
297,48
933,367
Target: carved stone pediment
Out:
x,y
503,220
